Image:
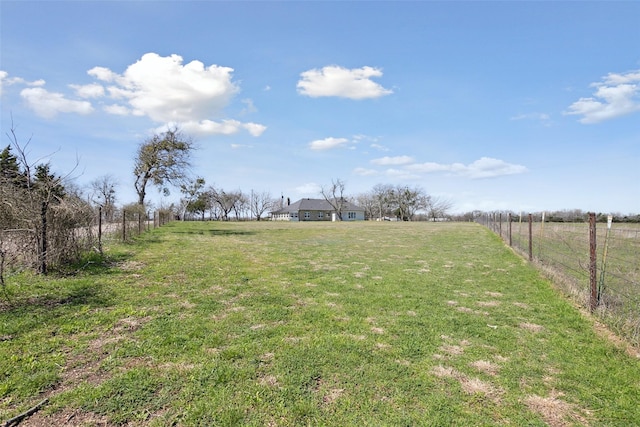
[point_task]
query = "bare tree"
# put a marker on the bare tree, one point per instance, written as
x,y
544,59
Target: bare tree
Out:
x,y
368,202
241,204
382,195
438,207
162,159
226,201
39,216
260,203
334,195
103,194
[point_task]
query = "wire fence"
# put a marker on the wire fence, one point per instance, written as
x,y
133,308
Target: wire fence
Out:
x,y
54,240
597,264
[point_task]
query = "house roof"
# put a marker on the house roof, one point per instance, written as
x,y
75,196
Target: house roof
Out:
x,y
315,205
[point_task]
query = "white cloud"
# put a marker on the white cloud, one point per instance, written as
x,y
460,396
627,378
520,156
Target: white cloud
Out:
x,y
403,174
92,90
429,167
365,172
328,143
250,107
485,167
210,127
543,117
49,104
5,80
102,73
616,95
118,110
254,129
337,81
392,161
168,91
379,147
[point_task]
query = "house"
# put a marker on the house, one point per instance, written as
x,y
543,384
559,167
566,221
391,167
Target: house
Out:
x,y
316,210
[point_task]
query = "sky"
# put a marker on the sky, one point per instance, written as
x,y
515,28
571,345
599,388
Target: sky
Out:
x,y
515,105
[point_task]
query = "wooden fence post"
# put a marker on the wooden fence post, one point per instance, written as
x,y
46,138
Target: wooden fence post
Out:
x,y
593,282
510,239
124,225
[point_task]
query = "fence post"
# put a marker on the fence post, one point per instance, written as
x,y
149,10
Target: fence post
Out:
x,y
124,225
43,237
593,300
500,225
510,239
100,229
530,237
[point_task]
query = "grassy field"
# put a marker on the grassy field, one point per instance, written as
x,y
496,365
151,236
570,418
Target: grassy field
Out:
x,y
338,324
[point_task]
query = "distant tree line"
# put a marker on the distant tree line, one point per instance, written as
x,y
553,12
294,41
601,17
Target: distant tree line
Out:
x,y
403,202
566,215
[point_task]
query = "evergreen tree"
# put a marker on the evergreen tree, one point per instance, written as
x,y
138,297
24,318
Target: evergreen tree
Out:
x,y
10,169
48,184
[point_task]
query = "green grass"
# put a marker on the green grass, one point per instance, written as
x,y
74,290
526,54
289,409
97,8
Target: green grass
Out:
x,y
562,249
288,324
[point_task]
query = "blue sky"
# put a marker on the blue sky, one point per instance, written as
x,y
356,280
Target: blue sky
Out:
x,y
522,106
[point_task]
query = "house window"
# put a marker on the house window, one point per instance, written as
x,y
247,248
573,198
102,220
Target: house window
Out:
x,y
320,214
351,215
307,215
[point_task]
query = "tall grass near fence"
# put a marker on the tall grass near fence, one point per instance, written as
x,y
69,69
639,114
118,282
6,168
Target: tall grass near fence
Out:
x,y
598,270
64,234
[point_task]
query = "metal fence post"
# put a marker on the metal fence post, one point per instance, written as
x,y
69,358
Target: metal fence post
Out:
x,y
43,239
593,282
530,237
100,229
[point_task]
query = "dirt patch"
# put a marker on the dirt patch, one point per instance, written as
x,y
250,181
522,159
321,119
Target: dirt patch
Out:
x,y
131,266
476,385
332,395
469,385
445,372
486,367
494,294
452,350
488,303
531,327
382,346
555,412
67,418
268,381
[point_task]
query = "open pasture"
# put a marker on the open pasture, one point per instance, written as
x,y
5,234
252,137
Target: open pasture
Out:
x,y
287,324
